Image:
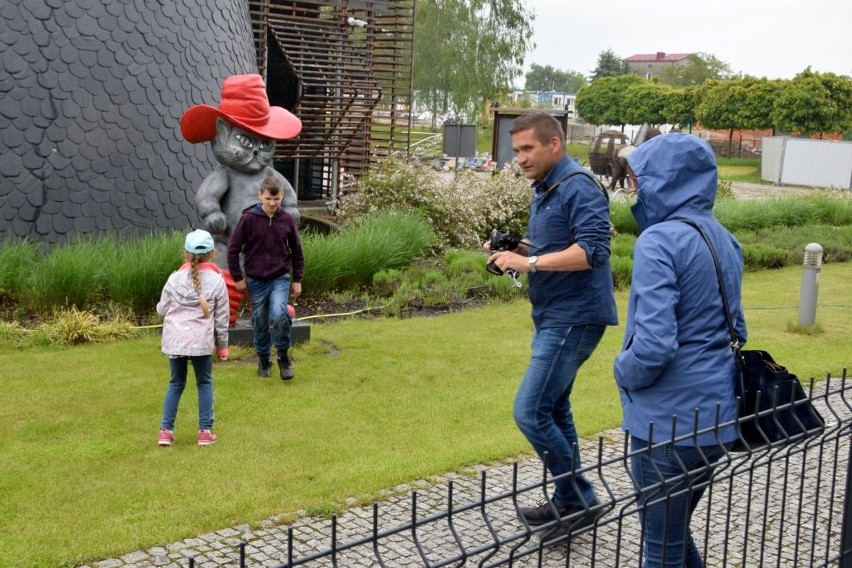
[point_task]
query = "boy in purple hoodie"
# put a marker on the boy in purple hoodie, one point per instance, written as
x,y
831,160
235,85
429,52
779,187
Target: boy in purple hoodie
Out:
x,y
265,245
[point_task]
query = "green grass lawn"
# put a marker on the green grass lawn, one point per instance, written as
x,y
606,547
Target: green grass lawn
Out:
x,y
374,403
748,174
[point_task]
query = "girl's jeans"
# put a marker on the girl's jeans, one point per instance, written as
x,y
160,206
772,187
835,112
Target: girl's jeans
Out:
x,y
543,406
667,511
269,308
203,366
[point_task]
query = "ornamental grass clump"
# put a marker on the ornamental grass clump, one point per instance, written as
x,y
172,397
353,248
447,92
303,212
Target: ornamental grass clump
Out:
x,y
17,259
12,334
75,327
756,214
836,241
139,268
350,259
69,276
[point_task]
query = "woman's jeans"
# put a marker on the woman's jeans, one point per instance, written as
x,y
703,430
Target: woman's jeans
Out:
x,y
203,366
666,512
543,406
269,309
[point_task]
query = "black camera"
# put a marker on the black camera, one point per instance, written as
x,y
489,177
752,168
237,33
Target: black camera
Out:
x,y
499,242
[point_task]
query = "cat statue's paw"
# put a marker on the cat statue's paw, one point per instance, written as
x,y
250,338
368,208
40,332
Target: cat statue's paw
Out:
x,y
216,223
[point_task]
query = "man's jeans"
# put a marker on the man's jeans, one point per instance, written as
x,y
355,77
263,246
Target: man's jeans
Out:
x,y
269,309
203,366
667,512
543,407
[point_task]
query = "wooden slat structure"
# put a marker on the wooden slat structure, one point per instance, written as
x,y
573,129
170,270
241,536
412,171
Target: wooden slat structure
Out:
x,y
345,69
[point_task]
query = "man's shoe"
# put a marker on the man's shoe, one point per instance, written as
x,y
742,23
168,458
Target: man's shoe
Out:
x,y
543,513
167,437
285,367
206,437
546,512
560,534
264,367
594,512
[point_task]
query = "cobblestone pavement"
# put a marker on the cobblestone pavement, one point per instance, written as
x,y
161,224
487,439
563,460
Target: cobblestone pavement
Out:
x,y
789,520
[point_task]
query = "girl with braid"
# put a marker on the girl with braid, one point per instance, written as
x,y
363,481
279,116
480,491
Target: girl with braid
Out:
x,y
194,305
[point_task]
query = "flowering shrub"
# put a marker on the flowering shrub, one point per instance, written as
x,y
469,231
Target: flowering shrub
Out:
x,y
463,207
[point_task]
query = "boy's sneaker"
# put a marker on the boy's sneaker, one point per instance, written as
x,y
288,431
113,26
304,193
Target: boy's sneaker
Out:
x,y
285,368
264,367
206,437
167,437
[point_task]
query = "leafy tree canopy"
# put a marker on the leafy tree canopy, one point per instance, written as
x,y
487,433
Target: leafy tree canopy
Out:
x,y
814,103
546,78
720,103
468,52
699,67
602,101
756,111
645,103
681,106
609,65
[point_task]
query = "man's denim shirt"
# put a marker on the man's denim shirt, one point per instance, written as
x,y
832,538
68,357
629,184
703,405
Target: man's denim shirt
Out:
x,y
564,212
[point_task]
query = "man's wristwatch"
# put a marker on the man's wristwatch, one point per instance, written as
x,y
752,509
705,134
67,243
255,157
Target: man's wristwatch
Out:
x,y
532,260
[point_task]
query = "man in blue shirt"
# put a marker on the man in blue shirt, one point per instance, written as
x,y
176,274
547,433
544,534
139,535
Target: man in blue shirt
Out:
x,y
566,253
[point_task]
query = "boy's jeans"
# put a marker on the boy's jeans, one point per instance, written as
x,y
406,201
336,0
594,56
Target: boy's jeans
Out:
x,y
269,309
543,407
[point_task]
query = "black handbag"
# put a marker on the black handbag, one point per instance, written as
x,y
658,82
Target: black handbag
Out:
x,y
773,408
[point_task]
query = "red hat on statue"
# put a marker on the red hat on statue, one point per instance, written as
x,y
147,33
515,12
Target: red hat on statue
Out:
x,y
245,104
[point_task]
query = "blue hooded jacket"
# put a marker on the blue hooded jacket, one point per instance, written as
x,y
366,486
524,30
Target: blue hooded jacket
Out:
x,y
676,358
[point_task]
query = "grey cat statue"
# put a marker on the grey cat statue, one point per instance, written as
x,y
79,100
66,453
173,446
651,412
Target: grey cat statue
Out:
x,y
242,131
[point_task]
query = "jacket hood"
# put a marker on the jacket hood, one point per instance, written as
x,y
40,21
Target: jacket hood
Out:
x,y
257,209
183,291
677,177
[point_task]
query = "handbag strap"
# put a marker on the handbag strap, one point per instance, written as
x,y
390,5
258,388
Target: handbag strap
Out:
x,y
735,343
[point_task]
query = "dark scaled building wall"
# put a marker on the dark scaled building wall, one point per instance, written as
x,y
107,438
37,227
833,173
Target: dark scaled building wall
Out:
x,y
91,95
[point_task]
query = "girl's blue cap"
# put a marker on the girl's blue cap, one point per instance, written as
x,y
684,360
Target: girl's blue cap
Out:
x,y
198,242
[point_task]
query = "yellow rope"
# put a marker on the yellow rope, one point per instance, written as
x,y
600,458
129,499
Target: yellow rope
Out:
x,y
341,314
356,312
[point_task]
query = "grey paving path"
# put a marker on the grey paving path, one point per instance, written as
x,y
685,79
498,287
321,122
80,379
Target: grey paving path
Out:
x,y
755,190
786,512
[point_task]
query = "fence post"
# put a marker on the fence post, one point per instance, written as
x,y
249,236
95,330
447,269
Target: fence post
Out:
x,y
846,537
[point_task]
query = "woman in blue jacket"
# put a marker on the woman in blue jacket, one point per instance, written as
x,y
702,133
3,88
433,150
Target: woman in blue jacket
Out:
x,y
676,369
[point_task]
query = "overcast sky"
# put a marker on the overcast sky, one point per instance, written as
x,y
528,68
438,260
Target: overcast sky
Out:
x,y
765,38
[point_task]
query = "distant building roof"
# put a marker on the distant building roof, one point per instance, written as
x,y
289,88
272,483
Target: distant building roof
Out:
x,y
659,56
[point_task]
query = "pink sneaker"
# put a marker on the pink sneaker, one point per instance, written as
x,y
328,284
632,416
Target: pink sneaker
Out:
x,y
206,437
167,437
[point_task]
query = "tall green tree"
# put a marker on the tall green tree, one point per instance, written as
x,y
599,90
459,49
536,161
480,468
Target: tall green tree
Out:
x,y
699,67
547,78
602,101
761,96
721,105
815,103
609,65
468,52
680,108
